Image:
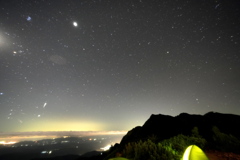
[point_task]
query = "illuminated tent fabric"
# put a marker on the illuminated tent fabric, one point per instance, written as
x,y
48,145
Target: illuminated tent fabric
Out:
x,y
193,152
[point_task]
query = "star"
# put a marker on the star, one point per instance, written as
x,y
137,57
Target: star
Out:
x,y
29,18
75,24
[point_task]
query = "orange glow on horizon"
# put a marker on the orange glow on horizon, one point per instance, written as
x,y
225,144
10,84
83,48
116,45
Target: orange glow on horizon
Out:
x,y
6,143
62,125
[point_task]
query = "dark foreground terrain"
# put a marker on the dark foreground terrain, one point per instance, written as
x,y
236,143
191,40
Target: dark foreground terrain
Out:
x,y
161,137
167,137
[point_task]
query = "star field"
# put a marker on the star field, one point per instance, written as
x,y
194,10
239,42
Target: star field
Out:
x,y
93,65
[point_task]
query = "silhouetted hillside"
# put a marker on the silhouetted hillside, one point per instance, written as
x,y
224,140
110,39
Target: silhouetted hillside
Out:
x,y
167,137
164,126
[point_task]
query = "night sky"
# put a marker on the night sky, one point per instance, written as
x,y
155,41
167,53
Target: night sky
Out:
x,y
98,65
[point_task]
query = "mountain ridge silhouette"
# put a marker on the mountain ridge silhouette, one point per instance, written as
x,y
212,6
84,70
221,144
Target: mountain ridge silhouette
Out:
x,y
166,126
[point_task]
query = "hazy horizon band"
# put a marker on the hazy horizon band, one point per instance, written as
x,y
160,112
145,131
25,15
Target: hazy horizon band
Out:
x,y
20,136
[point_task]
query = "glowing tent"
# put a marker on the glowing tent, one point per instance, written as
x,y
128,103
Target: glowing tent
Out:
x,y
193,152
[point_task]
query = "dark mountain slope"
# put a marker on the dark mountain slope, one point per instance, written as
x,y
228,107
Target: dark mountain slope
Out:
x,y
164,126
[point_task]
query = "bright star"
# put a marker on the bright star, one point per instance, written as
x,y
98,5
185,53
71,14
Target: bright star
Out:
x,y
75,24
29,18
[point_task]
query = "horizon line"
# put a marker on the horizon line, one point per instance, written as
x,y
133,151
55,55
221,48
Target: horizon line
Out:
x,y
28,133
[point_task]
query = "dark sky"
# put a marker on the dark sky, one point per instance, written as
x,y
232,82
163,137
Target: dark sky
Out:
x,y
109,64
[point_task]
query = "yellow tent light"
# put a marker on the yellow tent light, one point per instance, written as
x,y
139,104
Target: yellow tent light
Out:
x,y
193,152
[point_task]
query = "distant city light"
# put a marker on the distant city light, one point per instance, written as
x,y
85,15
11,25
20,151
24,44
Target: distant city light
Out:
x,y
5,143
106,147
